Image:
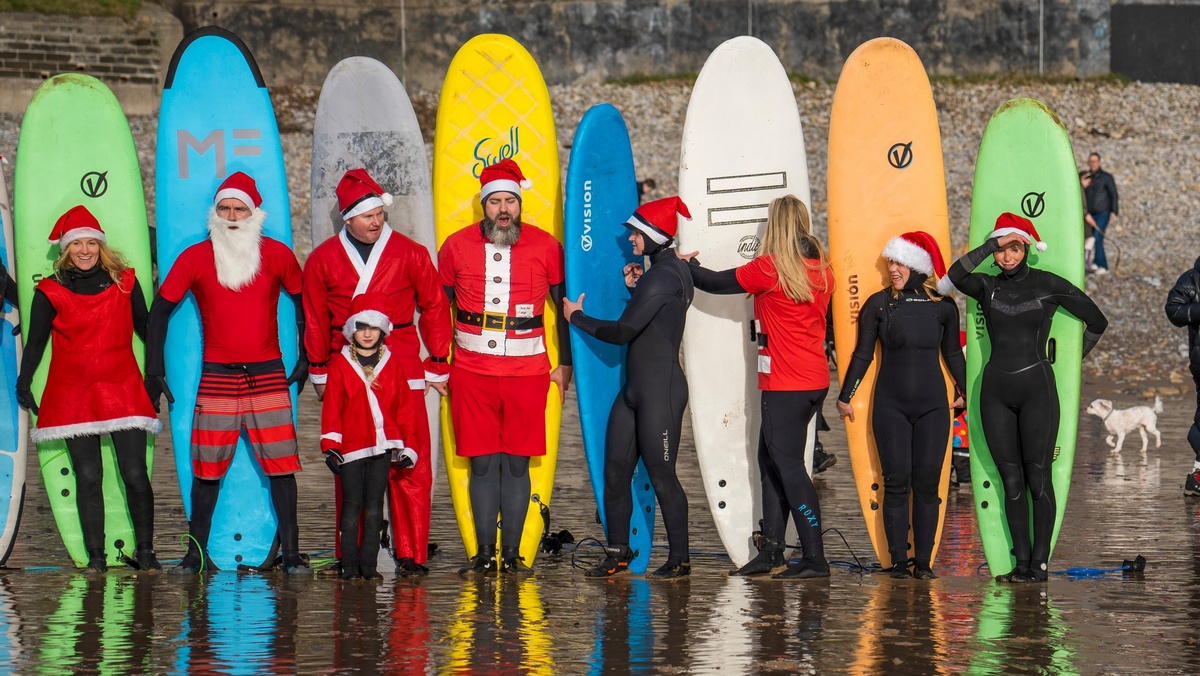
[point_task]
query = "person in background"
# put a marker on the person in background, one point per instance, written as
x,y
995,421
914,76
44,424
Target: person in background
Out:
x,y
1089,225
1102,206
644,188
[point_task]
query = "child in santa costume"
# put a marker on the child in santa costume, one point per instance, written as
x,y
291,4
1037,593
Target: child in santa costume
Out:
x,y
365,418
89,309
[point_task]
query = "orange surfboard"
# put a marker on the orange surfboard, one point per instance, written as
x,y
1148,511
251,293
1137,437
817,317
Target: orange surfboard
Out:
x,y
886,177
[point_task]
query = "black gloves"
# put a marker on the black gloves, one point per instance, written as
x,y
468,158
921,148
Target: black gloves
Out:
x,y
156,386
299,375
333,460
26,400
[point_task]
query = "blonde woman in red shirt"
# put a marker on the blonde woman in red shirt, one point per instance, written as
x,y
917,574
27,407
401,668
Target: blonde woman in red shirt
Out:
x,y
791,282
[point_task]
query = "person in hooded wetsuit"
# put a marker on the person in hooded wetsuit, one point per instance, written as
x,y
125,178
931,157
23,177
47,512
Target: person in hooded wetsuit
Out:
x,y
647,416
89,308
910,412
791,282
1018,401
1183,309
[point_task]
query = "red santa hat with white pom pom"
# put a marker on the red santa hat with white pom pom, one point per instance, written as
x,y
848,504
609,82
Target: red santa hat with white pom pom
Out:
x,y
77,223
919,251
503,176
358,193
1012,224
659,220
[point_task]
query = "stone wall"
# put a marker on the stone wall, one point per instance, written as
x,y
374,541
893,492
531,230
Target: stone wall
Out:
x,y
129,56
297,41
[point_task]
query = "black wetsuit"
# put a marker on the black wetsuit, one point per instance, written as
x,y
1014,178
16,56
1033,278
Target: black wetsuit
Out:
x,y
129,445
647,416
1018,402
787,487
910,415
1183,309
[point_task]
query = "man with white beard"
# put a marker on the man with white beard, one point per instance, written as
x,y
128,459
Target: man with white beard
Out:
x,y
499,272
235,276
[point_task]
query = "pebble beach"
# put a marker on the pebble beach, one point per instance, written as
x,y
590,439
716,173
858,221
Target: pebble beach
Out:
x,y
1146,133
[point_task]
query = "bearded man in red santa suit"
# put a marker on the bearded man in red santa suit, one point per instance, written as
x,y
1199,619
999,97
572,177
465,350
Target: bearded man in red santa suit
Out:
x,y
235,276
499,272
367,256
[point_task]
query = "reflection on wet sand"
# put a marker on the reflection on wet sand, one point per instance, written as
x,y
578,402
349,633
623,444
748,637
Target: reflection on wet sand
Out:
x,y
1020,630
558,622
500,627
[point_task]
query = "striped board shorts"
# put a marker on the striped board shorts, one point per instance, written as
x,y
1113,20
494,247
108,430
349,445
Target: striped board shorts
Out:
x,y
236,396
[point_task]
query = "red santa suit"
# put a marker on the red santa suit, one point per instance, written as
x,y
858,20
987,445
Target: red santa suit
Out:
x,y
94,385
500,338
399,270
361,419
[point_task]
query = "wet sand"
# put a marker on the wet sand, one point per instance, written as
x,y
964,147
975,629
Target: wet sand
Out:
x,y
557,621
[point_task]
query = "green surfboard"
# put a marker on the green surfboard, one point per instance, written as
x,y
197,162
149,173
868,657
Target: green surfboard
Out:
x,y
1026,166
76,148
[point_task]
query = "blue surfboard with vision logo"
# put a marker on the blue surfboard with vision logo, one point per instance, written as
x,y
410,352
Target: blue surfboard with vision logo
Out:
x,y
216,119
601,195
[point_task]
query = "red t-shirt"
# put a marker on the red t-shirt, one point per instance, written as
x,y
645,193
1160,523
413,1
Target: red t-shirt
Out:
x,y
240,327
794,358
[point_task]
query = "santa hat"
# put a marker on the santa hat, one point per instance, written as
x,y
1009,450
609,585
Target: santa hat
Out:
x,y
77,223
1012,224
503,176
241,187
358,193
659,220
366,308
917,250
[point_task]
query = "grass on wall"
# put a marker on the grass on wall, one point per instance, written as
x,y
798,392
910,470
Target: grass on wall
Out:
x,y
125,9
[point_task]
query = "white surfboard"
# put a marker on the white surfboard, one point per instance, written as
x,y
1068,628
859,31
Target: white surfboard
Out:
x,y
742,147
365,119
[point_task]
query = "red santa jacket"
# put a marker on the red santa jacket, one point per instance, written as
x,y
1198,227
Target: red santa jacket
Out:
x,y
362,419
501,294
400,270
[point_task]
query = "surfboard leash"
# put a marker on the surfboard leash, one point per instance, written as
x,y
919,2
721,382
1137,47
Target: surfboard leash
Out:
x,y
1134,566
857,567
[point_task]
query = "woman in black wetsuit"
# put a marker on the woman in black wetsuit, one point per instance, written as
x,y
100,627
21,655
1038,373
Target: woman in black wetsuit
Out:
x,y
1018,401
910,412
791,282
647,415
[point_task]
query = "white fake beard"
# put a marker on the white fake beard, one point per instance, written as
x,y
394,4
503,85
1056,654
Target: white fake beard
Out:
x,y
237,253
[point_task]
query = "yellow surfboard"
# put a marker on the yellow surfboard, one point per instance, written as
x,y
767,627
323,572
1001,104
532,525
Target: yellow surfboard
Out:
x,y
886,177
495,105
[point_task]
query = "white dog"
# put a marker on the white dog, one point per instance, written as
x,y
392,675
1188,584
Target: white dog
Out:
x,y
1125,421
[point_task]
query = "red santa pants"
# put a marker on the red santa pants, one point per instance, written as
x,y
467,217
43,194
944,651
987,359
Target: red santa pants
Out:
x,y
494,414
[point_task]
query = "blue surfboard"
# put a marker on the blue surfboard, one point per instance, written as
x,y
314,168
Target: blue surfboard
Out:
x,y
216,119
14,424
601,195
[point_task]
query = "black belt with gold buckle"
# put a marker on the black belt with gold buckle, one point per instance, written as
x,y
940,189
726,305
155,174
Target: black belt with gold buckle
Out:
x,y
494,321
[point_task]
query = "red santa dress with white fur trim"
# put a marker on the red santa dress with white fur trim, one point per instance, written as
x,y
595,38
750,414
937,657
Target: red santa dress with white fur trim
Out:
x,y
94,385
